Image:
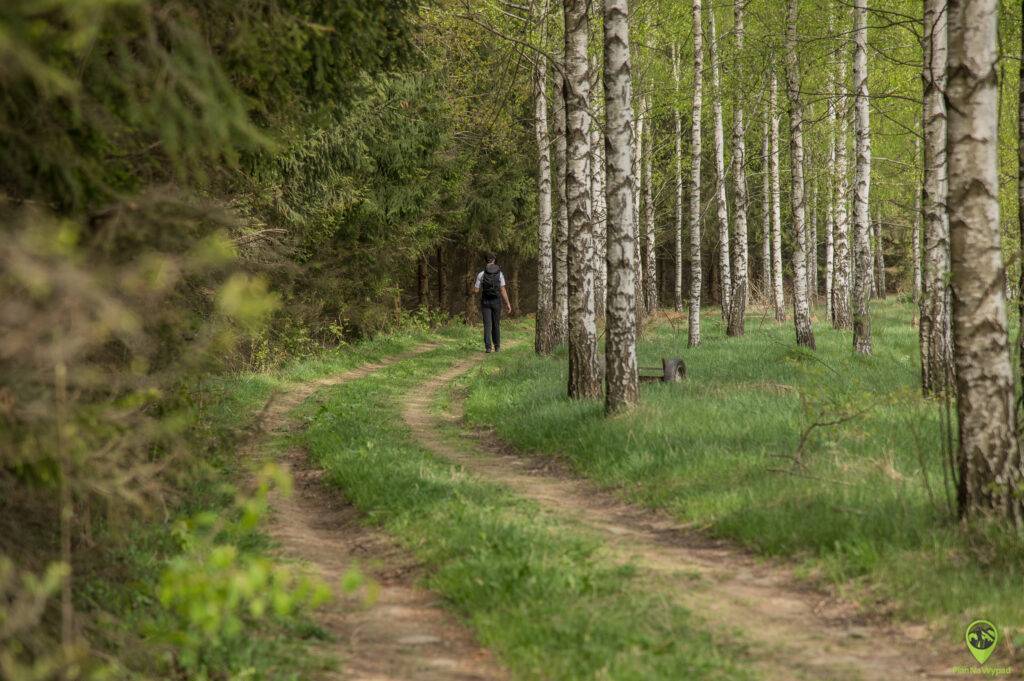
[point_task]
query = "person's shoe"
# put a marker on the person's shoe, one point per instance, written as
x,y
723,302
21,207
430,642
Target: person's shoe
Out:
x,y
487,350
497,349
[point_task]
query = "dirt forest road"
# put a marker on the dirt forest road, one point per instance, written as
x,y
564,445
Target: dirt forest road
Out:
x,y
791,632
406,633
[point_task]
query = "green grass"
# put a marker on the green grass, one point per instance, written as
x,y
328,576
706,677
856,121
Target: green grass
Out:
x,y
867,510
536,591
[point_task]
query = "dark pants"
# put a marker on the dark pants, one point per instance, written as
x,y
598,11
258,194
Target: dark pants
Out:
x,y
490,310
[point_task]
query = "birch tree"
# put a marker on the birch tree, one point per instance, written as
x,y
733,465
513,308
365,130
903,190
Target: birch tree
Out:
x,y
830,190
584,372
773,170
597,191
638,141
560,324
841,274
544,339
862,189
737,312
693,339
678,124
620,331
812,245
650,258
934,329
719,139
801,303
991,472
915,234
766,213
879,259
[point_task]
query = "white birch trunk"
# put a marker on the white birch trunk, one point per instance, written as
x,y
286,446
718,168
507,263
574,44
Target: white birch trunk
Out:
x,y
812,246
801,301
584,371
724,268
773,113
650,257
842,271
560,324
934,330
677,120
693,335
830,179
737,313
597,182
862,189
638,139
991,470
544,340
620,330
915,235
766,213
879,258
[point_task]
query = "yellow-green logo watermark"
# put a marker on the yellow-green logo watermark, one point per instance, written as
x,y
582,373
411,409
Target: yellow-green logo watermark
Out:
x,y
982,637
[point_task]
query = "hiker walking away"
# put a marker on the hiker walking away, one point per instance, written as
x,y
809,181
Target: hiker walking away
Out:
x,y
490,284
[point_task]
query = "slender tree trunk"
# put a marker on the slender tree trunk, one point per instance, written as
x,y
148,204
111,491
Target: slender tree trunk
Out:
x,y
812,246
934,329
773,113
423,282
737,313
560,324
442,282
584,372
880,286
862,190
544,339
801,302
829,251
915,235
677,120
620,331
472,308
830,180
724,275
766,213
513,285
650,258
638,136
693,339
991,479
600,210
841,318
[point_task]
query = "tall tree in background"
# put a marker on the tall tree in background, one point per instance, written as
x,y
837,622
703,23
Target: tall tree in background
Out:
x,y
841,268
693,334
584,372
915,234
638,173
812,241
544,340
722,205
778,296
650,256
801,301
879,258
830,180
561,279
766,212
620,331
597,191
678,125
934,329
737,312
991,472
862,188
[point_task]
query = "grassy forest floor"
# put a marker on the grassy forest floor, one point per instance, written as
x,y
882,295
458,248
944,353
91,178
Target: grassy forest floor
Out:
x,y
731,533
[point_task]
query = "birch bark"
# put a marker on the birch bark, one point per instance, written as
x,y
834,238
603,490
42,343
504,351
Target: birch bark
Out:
x,y
693,335
737,313
722,213
862,189
584,371
650,258
620,330
842,273
560,323
991,479
544,339
801,302
766,213
677,120
773,113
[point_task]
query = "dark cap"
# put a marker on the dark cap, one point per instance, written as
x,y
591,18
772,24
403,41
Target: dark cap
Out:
x,y
490,257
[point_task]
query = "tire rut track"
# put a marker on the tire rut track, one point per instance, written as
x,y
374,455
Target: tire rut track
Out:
x,y
790,631
405,633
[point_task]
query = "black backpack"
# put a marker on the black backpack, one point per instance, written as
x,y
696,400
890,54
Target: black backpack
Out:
x,y
491,285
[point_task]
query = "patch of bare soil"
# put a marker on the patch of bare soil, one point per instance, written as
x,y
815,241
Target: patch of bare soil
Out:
x,y
404,633
789,630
